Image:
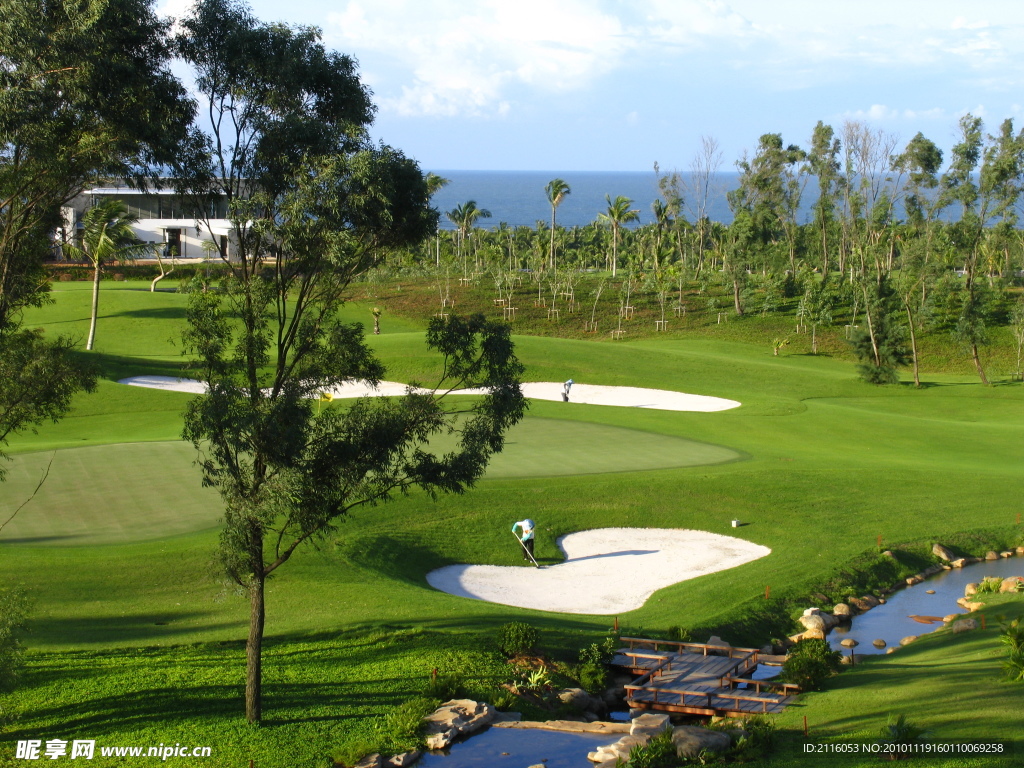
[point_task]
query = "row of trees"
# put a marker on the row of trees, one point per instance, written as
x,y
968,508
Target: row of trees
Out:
x,y
892,224
86,95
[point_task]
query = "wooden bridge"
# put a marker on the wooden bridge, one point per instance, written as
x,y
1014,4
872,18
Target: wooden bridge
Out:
x,y
699,679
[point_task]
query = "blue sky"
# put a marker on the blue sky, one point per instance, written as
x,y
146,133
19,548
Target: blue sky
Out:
x,y
617,85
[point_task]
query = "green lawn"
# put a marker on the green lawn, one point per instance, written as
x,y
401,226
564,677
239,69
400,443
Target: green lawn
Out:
x,y
826,464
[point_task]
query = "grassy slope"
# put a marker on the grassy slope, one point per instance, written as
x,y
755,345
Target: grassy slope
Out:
x,y
830,463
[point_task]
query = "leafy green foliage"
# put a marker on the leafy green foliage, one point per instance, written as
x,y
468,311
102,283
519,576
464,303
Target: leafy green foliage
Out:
x,y
593,678
516,638
898,730
13,610
659,752
1011,637
443,687
810,662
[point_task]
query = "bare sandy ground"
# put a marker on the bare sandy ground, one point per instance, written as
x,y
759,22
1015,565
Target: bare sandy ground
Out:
x,y
586,394
607,570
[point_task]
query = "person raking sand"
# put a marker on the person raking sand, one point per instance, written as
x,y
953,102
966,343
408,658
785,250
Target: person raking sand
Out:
x,y
527,539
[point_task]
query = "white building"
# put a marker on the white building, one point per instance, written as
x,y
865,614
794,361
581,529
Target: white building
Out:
x,y
164,217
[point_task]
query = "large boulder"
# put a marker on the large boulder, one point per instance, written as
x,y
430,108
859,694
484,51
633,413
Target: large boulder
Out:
x,y
649,724
814,622
908,639
878,643
619,750
860,604
843,611
690,741
1012,584
943,553
964,625
581,700
971,589
455,718
848,642
991,555
970,605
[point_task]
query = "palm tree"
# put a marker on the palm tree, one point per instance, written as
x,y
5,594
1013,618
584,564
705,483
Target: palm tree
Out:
x,y
618,213
556,191
107,236
464,218
434,184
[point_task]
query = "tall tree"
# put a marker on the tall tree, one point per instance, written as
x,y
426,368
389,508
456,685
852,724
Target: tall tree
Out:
x,y
556,190
983,181
107,235
312,203
616,215
823,163
464,216
86,92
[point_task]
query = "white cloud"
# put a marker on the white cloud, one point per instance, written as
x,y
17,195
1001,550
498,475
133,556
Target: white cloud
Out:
x,y
464,59
452,58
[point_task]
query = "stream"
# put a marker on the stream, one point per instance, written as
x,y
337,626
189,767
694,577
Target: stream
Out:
x,y
891,622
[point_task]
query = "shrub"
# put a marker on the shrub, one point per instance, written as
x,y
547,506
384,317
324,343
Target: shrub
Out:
x,y
989,585
599,653
900,731
444,687
504,700
516,638
593,678
810,663
678,634
659,752
13,606
401,728
1011,635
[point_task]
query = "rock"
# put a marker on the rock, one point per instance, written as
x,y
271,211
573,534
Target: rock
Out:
x,y
820,598
871,600
931,570
908,639
813,634
767,650
581,700
847,660
849,643
964,625
404,759
929,591
950,617
943,553
990,555
859,604
1012,584
831,622
814,621
370,761
842,610
812,611
613,697
971,589
912,580
690,741
890,650
1020,550
970,605
716,640
649,724
960,562
1006,553
617,751
455,718
879,643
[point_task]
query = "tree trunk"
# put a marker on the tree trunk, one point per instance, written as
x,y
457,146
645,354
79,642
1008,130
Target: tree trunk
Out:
x,y
736,297
913,345
254,654
615,250
95,305
814,338
977,363
254,644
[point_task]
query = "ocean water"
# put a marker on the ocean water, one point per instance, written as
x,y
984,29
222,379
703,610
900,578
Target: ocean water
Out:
x,y
518,198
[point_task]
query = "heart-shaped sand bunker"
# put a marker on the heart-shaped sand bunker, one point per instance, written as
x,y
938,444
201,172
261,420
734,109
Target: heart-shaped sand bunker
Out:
x,y
606,570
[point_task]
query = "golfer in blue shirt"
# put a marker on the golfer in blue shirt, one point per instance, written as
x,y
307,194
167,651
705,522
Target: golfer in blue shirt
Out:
x,y
526,538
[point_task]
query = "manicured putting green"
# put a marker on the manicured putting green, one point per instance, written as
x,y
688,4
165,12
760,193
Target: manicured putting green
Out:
x,y
128,492
106,494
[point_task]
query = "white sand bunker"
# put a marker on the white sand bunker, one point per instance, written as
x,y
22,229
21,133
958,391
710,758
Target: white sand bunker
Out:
x,y
607,570
587,394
